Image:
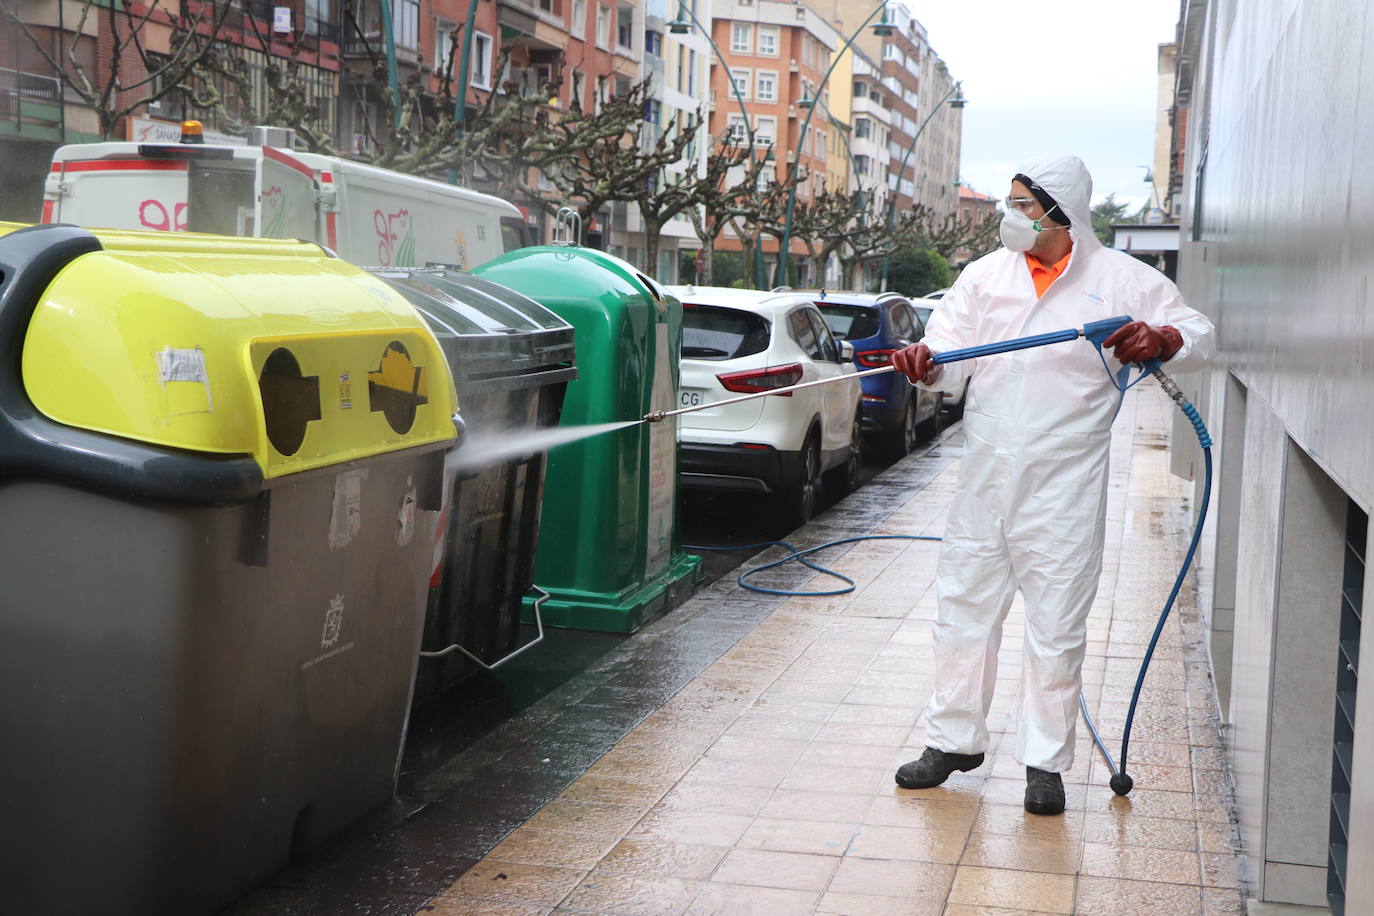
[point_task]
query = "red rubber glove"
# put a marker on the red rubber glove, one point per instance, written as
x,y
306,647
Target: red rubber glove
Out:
x,y
916,362
1138,341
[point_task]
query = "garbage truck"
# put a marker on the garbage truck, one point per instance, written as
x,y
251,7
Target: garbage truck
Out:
x,y
367,215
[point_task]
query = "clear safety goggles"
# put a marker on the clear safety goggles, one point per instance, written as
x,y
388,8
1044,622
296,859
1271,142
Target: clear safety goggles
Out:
x,y
1024,204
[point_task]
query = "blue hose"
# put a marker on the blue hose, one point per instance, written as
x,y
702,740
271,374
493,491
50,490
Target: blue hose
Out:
x,y
800,556
1120,782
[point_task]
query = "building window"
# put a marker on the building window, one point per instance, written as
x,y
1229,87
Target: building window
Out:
x,y
861,164
768,40
692,73
653,43
624,27
579,19
765,131
766,86
862,128
445,61
579,89
741,81
603,27
406,23
736,131
860,90
741,38
480,67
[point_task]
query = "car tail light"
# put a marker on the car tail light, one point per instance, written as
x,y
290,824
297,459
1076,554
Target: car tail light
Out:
x,y
756,446
754,380
874,359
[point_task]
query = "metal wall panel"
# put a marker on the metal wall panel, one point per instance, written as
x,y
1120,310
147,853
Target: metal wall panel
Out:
x,y
1279,250
1257,570
1287,210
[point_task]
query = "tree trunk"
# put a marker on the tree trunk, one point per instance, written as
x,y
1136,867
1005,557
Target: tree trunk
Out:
x,y
706,276
652,233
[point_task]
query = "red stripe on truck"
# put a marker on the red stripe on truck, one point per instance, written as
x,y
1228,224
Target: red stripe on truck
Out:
x,y
278,156
125,165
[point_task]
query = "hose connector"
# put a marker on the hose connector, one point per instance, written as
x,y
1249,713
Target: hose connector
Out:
x,y
1171,388
655,416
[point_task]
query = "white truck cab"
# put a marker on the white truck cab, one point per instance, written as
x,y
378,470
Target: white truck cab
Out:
x,y
367,215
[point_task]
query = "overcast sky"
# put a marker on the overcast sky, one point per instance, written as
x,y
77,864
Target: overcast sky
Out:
x,y
1072,76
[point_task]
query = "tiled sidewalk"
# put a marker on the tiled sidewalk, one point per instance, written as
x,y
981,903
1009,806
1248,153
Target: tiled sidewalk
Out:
x,y
765,784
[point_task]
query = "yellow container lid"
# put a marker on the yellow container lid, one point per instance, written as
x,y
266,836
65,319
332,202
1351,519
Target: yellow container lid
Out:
x,y
238,346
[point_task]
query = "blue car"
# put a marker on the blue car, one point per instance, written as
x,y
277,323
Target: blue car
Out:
x,y
896,415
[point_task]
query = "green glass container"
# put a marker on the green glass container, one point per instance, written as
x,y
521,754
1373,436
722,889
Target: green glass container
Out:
x,y
609,552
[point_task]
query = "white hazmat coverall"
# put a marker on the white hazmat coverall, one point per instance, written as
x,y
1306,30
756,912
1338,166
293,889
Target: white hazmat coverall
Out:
x,y
1030,510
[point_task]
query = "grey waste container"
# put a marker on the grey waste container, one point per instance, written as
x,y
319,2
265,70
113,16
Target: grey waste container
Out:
x,y
220,471
511,361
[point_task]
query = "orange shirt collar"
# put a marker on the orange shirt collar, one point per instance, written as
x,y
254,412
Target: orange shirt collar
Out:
x,y
1043,276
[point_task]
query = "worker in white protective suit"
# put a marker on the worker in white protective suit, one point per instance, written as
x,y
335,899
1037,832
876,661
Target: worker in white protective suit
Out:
x,y
1031,505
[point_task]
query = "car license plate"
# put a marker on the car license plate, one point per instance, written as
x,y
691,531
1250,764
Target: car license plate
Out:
x,y
690,397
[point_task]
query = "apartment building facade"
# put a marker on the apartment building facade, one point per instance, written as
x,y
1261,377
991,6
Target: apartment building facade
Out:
x,y
776,57
916,89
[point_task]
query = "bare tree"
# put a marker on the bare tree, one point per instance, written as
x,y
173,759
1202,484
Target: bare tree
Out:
x,y
763,213
135,69
825,224
734,171
951,233
686,191
873,240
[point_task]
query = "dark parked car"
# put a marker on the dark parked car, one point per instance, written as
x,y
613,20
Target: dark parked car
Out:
x,y
895,414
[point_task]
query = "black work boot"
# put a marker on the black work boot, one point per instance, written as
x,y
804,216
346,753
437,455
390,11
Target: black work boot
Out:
x,y
1044,792
934,768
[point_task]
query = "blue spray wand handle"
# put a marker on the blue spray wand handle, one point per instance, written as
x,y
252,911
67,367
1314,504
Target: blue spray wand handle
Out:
x,y
1095,331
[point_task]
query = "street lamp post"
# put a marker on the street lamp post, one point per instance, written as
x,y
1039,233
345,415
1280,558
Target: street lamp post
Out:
x,y
882,28
680,26
460,102
389,37
958,101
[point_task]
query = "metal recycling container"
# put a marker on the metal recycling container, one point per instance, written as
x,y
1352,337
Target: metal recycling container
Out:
x,y
220,470
511,361
611,556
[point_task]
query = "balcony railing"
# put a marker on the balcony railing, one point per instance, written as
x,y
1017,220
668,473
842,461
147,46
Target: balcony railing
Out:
x,y
17,87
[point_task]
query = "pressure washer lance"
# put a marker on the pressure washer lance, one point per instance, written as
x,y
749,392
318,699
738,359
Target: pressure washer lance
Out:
x,y
1096,332
1091,331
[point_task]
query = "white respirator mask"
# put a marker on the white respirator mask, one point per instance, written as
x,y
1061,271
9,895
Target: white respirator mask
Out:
x,y
1019,231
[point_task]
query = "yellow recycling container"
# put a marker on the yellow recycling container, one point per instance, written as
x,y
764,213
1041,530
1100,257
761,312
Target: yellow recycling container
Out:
x,y
220,468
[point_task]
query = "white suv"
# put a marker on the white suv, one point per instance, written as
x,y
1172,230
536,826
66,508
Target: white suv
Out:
x,y
740,341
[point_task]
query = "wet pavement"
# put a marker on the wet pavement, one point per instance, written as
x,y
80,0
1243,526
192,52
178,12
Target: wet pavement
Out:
x,y
736,755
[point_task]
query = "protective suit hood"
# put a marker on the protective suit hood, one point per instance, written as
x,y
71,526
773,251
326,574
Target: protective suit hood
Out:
x,y
1066,179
